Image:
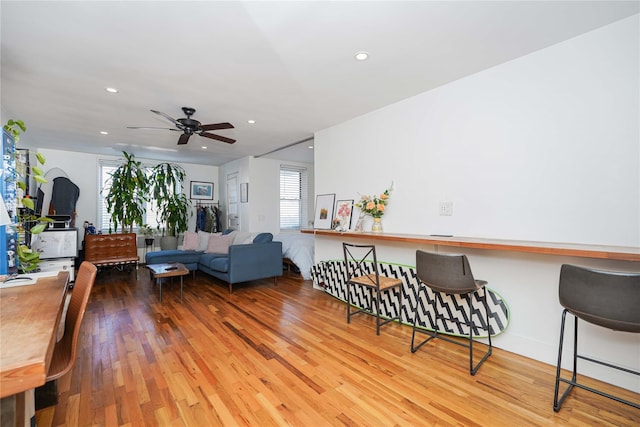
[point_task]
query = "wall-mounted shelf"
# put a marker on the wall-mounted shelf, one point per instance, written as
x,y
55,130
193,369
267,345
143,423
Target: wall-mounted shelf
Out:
x,y
622,253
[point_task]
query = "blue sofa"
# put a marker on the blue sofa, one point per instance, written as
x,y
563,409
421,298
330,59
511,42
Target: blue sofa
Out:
x,y
258,260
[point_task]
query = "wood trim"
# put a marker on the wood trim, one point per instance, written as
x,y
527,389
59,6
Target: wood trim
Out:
x,y
622,253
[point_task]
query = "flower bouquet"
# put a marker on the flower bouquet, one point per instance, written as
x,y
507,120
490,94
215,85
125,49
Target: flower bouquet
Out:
x,y
375,206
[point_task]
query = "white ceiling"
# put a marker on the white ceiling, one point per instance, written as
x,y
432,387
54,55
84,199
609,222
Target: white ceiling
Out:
x,y
287,65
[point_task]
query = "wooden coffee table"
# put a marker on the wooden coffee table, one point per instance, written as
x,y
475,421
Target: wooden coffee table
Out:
x,y
172,269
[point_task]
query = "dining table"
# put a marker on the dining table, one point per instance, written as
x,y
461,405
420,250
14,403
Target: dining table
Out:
x,y
30,313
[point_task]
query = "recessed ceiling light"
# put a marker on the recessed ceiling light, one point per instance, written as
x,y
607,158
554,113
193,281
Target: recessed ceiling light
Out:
x,y
104,132
111,89
251,121
204,147
361,56
311,147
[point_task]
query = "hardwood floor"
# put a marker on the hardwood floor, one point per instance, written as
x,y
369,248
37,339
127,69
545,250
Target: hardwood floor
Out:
x,y
285,355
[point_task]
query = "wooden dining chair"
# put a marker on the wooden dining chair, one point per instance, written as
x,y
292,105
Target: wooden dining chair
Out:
x,y
64,353
362,271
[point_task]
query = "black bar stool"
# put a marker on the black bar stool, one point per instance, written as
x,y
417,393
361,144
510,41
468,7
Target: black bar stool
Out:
x,y
449,274
603,298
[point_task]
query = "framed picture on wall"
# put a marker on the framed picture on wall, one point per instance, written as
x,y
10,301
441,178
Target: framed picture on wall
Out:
x,y
324,211
344,213
201,190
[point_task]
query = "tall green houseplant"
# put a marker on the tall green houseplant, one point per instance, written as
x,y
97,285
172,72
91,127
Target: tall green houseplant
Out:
x,y
173,205
127,196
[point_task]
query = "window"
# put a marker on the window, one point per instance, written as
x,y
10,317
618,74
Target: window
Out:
x,y
293,197
104,219
103,215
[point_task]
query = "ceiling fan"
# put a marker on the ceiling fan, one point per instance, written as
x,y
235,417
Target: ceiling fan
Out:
x,y
189,126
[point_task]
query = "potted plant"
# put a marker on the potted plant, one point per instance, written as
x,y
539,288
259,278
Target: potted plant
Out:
x,y
28,223
147,232
128,194
172,204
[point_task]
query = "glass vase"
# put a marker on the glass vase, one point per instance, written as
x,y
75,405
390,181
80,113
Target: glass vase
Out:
x,y
377,225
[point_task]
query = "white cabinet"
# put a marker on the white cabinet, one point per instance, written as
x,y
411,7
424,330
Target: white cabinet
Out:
x,y
61,264
56,243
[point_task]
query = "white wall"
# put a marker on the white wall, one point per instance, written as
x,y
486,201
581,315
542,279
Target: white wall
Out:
x,y
262,211
82,169
545,147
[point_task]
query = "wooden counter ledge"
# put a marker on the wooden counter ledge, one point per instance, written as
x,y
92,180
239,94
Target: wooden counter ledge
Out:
x,y
622,253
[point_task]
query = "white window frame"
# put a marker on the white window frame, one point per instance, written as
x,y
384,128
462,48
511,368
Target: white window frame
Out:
x,y
104,219
294,195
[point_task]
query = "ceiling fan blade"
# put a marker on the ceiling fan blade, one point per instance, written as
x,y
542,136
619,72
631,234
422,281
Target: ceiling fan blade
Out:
x,y
168,117
217,126
147,127
184,138
218,137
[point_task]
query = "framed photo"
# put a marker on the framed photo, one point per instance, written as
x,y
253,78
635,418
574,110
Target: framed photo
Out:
x,y
344,213
324,211
244,192
201,190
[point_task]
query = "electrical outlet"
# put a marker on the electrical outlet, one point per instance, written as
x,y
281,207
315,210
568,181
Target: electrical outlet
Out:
x,y
446,208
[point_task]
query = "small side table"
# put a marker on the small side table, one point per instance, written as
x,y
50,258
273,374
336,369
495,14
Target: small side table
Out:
x,y
148,243
173,269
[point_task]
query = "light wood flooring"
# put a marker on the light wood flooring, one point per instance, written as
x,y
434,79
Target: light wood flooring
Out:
x,y
285,355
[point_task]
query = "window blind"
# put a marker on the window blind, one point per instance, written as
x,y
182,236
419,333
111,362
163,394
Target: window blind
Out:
x,y
104,218
293,197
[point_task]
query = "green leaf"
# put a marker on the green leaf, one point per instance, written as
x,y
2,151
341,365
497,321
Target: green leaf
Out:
x,y
27,202
37,229
36,170
22,185
41,158
40,179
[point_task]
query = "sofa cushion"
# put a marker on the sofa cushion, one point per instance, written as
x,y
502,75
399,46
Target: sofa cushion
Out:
x,y
203,240
175,255
218,244
220,264
190,241
212,262
263,238
241,237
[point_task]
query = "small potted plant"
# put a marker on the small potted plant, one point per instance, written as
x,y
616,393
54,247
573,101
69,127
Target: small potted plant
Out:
x,y
147,232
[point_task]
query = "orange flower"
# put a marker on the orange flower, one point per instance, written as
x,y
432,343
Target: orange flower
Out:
x,y
374,206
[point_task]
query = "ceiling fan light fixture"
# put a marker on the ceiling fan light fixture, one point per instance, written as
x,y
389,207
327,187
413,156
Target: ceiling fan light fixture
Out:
x,y
188,127
361,55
